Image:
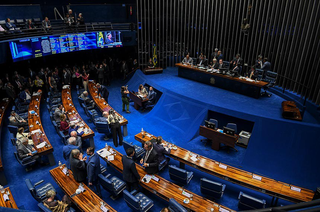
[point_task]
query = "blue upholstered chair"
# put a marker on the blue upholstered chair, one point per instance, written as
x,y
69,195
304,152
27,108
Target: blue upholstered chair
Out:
x,y
215,121
162,164
103,127
93,114
38,190
112,184
271,78
137,201
25,162
260,74
13,129
174,206
247,202
139,151
63,137
45,209
226,63
211,188
179,174
56,126
232,126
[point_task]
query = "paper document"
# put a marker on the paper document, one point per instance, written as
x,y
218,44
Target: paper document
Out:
x,y
36,131
256,177
41,145
295,189
223,210
111,158
5,197
194,159
186,194
222,166
104,209
146,178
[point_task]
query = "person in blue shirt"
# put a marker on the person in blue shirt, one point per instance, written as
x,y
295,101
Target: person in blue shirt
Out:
x,y
74,127
93,170
66,150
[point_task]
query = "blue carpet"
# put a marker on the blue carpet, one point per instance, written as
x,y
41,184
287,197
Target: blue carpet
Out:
x,y
272,150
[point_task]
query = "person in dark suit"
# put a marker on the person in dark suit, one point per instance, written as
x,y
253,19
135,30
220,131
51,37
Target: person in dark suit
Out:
x,y
66,150
10,26
161,150
46,24
259,62
151,97
30,25
16,120
219,55
74,128
66,78
78,139
221,64
215,53
266,67
103,91
150,160
130,173
93,170
236,61
214,64
78,166
25,150
25,96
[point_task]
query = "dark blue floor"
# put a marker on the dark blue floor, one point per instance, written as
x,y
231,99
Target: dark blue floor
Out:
x,y
183,105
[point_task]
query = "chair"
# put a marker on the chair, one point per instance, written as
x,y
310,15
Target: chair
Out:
x,y
179,174
113,185
93,114
232,126
260,74
247,202
55,124
162,164
226,63
39,192
13,129
139,151
103,127
174,206
137,201
25,162
271,78
215,121
45,209
63,137
211,188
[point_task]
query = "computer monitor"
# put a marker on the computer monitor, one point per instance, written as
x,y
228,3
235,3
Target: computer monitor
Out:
x,y
228,131
210,124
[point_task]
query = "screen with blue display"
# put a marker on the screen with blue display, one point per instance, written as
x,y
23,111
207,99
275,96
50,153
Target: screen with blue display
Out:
x,y
42,46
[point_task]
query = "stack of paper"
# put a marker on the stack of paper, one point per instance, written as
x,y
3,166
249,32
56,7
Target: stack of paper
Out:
x,y
41,145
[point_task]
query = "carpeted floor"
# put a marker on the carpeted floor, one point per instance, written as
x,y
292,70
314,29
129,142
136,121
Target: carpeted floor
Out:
x,y
182,107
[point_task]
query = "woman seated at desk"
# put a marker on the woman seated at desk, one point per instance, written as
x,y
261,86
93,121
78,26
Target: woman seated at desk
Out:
x,y
21,135
150,64
142,91
64,125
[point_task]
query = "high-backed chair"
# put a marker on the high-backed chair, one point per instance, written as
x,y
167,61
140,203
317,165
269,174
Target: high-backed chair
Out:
x,y
174,206
271,78
162,164
215,121
13,129
103,127
211,188
137,201
232,126
112,184
25,162
247,202
139,151
179,174
63,137
39,192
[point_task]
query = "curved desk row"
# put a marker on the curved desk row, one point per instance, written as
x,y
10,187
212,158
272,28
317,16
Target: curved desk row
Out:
x,y
9,202
247,179
86,201
3,107
104,106
73,114
166,189
40,140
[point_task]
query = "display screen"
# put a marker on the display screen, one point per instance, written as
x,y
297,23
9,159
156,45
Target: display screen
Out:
x,y
42,46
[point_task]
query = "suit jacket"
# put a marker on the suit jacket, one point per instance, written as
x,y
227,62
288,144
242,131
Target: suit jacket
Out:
x,y
75,129
66,78
215,66
152,96
104,92
185,60
10,26
161,151
130,173
93,168
259,64
266,66
219,57
44,25
237,61
222,66
66,151
23,150
153,162
57,115
78,169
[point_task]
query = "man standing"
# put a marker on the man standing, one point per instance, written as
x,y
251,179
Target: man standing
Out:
x,y
93,170
266,67
130,173
161,150
58,112
78,166
150,159
66,150
78,140
103,91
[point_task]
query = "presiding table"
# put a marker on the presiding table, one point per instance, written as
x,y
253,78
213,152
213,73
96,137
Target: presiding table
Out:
x,y
104,106
40,140
138,101
74,116
247,179
87,200
156,70
163,188
216,137
243,86
3,107
9,202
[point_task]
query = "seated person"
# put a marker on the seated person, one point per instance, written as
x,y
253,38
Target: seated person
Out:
x,y
85,97
214,64
78,140
25,150
237,60
187,60
266,67
221,64
25,96
150,64
16,120
68,20
104,118
64,124
46,23
236,70
10,26
58,112
75,128
151,97
38,82
161,150
56,205
21,136
142,91
30,25
253,73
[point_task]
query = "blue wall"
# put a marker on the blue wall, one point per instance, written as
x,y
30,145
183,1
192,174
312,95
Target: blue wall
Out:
x,y
22,11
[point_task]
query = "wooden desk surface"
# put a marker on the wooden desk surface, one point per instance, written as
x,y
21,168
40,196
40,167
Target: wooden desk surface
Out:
x,y
9,203
85,201
3,107
166,189
195,68
265,185
101,103
72,112
35,124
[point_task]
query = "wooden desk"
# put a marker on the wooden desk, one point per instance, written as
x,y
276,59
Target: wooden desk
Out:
x,y
218,137
235,84
104,106
9,203
85,201
166,189
3,107
156,70
73,114
35,127
265,185
138,102
290,111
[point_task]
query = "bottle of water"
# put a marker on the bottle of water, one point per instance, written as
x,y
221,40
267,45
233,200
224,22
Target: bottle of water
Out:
x,y
60,164
106,146
1,189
